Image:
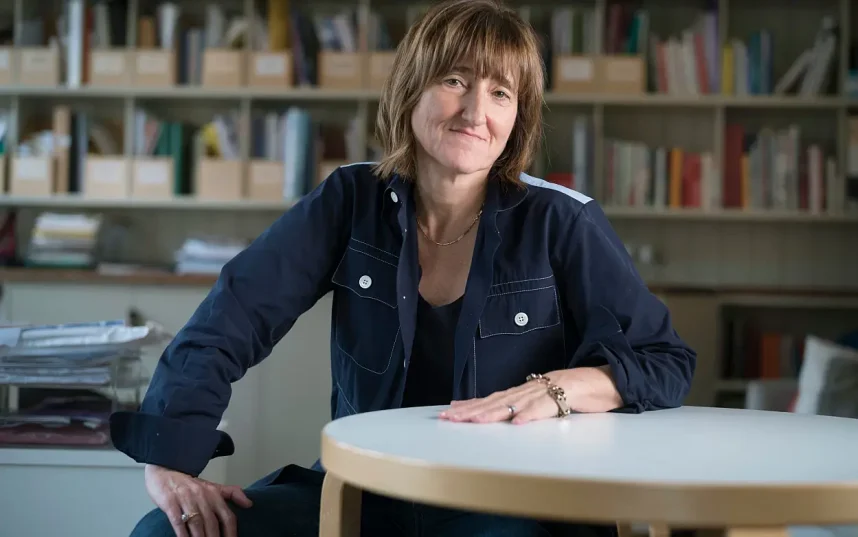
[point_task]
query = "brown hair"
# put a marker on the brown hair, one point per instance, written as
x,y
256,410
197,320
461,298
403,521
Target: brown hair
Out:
x,y
490,38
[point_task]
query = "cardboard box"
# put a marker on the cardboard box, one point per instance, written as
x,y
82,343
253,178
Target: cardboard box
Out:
x,y
219,179
154,68
575,74
380,66
31,176
265,180
622,74
106,177
152,178
270,70
38,66
7,66
340,70
109,67
223,68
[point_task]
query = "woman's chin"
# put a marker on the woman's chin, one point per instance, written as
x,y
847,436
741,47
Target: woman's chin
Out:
x,y
462,165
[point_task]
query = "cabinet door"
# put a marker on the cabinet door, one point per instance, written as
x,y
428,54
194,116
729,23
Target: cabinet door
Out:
x,y
695,318
63,303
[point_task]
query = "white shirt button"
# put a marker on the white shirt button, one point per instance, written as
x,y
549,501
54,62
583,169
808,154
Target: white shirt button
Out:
x,y
521,318
394,197
365,282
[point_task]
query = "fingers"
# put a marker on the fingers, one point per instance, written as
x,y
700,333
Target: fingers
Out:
x,y
235,494
493,408
195,527
223,522
210,522
174,514
530,402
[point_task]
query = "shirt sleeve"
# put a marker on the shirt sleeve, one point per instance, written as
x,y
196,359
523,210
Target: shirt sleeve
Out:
x,y
257,298
620,322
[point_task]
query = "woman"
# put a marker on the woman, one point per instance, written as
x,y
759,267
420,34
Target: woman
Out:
x,y
455,276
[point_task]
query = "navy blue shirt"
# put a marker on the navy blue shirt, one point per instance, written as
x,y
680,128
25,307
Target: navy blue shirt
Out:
x,y
550,286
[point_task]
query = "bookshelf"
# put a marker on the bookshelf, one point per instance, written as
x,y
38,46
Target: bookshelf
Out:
x,y
703,246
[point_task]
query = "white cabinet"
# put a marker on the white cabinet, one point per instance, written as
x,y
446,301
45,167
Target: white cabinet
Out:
x,y
275,415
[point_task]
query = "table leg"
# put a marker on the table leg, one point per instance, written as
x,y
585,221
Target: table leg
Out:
x,y
339,515
757,532
655,530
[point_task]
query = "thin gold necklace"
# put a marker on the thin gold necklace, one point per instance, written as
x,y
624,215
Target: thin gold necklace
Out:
x,y
462,236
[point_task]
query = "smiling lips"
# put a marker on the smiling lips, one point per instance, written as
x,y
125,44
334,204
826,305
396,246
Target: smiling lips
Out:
x,y
469,134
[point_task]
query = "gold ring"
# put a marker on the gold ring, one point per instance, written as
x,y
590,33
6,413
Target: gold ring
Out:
x,y
188,516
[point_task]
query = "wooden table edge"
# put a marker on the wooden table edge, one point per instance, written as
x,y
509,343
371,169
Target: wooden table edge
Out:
x,y
548,498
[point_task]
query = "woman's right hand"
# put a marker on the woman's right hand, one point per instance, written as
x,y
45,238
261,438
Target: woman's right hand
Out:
x,y
176,493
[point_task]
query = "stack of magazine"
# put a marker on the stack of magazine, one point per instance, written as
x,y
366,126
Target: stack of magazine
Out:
x,y
68,377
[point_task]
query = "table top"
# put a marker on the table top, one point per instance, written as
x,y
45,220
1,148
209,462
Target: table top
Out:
x,y
692,465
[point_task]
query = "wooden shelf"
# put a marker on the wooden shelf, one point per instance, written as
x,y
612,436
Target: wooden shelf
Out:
x,y
72,201
81,276
743,215
327,95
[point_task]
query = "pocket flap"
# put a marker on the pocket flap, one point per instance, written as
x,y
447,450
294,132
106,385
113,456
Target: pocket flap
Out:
x,y
519,312
368,276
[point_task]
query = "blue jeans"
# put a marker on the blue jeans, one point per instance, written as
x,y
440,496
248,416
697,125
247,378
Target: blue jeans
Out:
x,y
287,504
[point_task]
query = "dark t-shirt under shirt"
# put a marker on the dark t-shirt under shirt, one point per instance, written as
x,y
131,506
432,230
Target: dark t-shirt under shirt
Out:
x,y
430,372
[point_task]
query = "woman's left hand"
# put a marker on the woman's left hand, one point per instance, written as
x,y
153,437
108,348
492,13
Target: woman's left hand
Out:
x,y
521,404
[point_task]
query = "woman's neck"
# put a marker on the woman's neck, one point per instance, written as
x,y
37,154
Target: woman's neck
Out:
x,y
447,203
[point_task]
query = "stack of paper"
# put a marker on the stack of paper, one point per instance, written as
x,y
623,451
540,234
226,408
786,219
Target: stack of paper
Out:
x,y
206,256
67,240
62,367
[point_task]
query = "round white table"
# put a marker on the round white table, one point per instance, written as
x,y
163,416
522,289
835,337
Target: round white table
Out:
x,y
690,467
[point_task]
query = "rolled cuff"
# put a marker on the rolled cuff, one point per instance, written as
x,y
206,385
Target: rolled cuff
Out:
x,y
168,442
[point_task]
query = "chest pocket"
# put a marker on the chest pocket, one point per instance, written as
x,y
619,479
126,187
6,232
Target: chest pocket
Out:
x,y
366,318
520,332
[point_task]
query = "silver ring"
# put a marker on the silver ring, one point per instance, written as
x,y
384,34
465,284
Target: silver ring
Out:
x,y
511,410
187,516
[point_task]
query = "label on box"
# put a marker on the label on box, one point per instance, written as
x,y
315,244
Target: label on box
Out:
x,y
152,173
107,171
270,65
37,60
621,70
32,169
152,64
576,69
108,64
341,66
4,59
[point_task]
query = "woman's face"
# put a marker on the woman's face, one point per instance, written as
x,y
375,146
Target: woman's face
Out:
x,y
462,123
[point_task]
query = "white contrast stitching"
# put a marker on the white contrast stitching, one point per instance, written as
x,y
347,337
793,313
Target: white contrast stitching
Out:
x,y
560,320
389,360
394,256
346,399
517,333
350,288
522,281
521,291
372,256
475,367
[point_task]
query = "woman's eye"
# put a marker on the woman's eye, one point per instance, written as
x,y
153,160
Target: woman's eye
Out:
x,y
453,82
501,94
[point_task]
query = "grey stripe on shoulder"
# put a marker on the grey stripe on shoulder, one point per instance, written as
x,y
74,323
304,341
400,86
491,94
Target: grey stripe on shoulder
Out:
x,y
356,164
541,183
